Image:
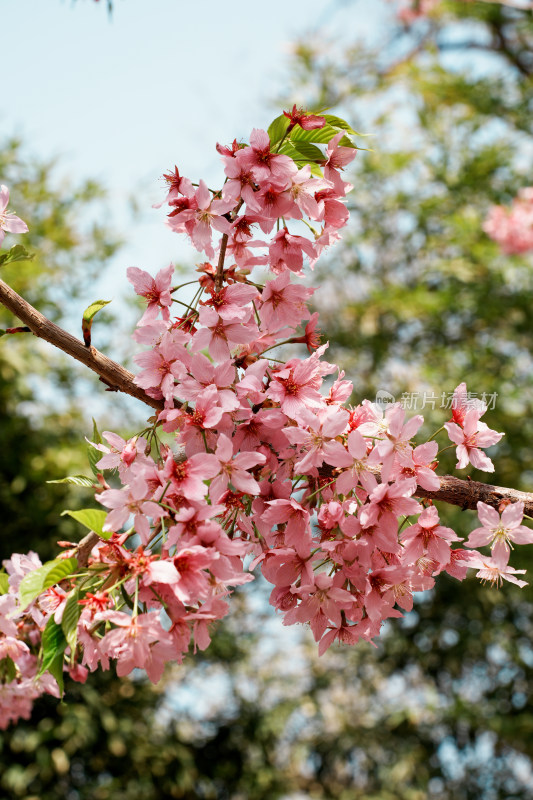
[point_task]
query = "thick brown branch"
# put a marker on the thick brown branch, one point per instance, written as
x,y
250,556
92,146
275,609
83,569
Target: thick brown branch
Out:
x,y
465,494
114,375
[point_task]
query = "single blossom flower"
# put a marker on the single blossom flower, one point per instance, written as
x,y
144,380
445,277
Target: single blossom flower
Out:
x,y
469,438
9,222
500,531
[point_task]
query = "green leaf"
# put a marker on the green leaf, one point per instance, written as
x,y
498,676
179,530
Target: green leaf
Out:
x,y
69,620
88,316
53,644
55,668
320,136
76,480
4,583
91,311
97,439
8,670
316,171
34,583
287,149
126,597
310,152
341,124
91,518
277,129
17,253
93,454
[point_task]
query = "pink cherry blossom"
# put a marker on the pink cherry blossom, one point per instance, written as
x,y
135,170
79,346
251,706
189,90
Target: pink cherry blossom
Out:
x,y
338,157
9,222
283,303
318,443
287,251
495,573
294,388
263,164
188,477
359,467
499,531
306,121
470,438
121,454
218,335
155,290
428,537
417,463
131,499
512,227
234,469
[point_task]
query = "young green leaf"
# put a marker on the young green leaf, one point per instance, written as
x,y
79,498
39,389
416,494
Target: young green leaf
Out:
x,y
91,518
53,644
76,480
309,152
319,136
341,124
17,253
8,670
4,583
97,439
316,171
88,316
69,620
35,582
277,129
93,454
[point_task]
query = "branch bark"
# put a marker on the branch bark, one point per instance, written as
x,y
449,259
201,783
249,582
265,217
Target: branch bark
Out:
x,y
455,491
84,547
114,375
467,494
463,493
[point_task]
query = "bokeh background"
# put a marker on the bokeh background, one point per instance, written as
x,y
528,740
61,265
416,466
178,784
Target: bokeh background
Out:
x,y
417,298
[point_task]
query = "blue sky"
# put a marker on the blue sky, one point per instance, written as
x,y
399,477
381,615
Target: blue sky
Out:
x,y
123,99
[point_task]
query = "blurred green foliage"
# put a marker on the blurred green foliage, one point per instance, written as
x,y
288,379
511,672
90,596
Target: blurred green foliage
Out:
x,y
416,299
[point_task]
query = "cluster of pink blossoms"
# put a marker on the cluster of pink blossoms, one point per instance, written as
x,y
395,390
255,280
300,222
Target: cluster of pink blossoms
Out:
x,y
512,227
252,461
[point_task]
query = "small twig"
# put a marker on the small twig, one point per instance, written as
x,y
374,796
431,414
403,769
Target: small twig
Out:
x,y
84,547
219,277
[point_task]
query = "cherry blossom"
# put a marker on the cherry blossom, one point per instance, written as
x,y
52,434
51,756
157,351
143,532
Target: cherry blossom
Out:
x,y
499,531
470,438
9,222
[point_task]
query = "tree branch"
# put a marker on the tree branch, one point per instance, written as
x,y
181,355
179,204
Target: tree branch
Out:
x,y
84,547
462,493
114,375
455,491
467,494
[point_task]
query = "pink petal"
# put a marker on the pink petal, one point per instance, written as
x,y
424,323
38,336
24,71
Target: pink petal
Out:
x,y
512,515
488,516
